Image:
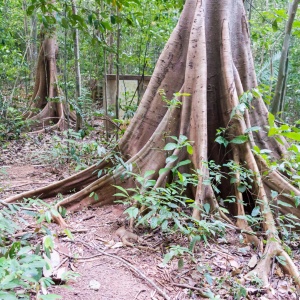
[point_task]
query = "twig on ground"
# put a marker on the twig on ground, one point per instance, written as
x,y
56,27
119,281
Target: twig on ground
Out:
x,y
88,218
79,258
136,296
202,294
4,203
222,253
62,262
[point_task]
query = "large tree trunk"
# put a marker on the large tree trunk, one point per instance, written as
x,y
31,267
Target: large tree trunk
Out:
x,y
207,56
45,95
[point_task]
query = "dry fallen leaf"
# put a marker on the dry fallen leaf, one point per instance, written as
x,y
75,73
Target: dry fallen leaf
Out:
x,y
253,261
117,245
234,264
53,262
236,272
109,244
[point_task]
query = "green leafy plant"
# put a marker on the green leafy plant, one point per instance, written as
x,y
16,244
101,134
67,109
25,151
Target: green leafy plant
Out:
x,y
167,207
21,262
12,122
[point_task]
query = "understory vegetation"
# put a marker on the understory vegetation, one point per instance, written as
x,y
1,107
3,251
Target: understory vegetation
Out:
x,y
195,155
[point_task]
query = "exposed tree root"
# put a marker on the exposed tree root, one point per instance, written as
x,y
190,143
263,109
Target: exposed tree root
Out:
x,y
208,58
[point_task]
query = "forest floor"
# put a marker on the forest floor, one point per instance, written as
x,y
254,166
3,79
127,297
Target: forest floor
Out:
x,y
218,265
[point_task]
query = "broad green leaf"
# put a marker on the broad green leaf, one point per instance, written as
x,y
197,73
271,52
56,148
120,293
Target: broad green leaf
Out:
x,y
195,239
48,242
7,296
170,146
254,128
206,207
149,173
180,263
150,183
272,131
222,141
256,149
132,212
255,212
265,151
292,135
279,140
241,139
164,225
68,234
242,188
182,94
284,204
271,120
154,222
171,159
163,170
121,189
14,249
181,177
295,148
208,278
168,257
274,194
281,260
120,195
190,149
182,138
183,163
275,26
64,23
284,127
30,10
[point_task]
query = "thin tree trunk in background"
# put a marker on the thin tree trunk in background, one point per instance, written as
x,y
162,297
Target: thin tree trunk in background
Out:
x,y
278,100
248,8
27,40
111,55
118,67
77,70
282,103
34,49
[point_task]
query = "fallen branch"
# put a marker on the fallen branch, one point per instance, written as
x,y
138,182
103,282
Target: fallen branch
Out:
x,y
202,294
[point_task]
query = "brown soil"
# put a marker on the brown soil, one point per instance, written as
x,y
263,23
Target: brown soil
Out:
x,y
23,167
